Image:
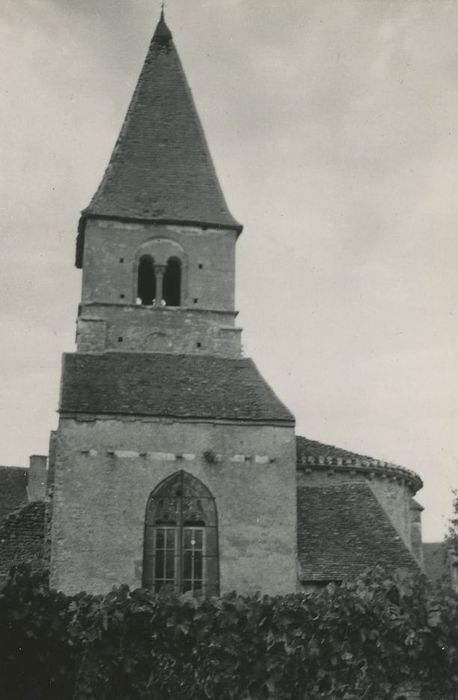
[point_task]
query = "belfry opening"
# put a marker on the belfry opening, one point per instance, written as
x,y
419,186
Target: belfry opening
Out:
x,y
171,291
146,288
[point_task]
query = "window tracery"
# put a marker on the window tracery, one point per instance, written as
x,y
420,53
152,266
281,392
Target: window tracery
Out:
x,y
181,539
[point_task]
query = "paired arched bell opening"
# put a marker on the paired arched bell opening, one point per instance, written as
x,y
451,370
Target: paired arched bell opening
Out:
x,y
181,538
159,285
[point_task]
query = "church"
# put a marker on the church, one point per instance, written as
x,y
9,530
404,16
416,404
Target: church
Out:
x,y
174,465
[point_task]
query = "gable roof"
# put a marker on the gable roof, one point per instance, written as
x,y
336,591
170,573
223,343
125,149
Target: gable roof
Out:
x,y
175,386
161,169
343,530
13,489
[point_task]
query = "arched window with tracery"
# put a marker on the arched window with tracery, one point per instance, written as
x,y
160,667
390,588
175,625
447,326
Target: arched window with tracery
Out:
x,y
181,537
172,282
146,288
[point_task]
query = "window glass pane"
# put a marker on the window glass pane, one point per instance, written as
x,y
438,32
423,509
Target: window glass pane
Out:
x,y
193,538
159,565
187,565
192,585
187,538
159,538
198,537
197,565
170,538
170,564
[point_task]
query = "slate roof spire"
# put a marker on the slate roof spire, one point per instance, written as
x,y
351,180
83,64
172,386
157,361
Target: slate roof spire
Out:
x,y
161,169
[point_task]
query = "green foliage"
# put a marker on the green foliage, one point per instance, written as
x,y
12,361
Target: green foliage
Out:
x,y
358,640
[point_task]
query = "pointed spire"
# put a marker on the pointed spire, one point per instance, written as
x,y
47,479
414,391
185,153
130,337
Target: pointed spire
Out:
x,y
162,34
161,169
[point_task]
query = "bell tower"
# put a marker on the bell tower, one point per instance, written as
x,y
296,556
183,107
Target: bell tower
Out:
x,y
174,462
157,242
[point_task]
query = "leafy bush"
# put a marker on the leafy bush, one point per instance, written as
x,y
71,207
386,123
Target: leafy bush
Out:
x,y
358,640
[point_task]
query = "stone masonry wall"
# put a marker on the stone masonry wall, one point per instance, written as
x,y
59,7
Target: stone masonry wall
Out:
x,y
416,532
122,327
105,470
110,263
396,498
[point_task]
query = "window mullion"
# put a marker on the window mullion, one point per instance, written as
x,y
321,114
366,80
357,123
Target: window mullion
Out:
x,y
159,271
179,547
193,557
204,559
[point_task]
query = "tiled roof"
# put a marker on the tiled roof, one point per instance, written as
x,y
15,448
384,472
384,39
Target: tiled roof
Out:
x,y
343,530
317,455
22,538
313,448
13,489
161,168
177,386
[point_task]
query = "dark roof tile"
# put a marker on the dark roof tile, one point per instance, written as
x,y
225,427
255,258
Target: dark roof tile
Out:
x,y
13,489
313,448
343,530
178,386
161,168
22,538
316,454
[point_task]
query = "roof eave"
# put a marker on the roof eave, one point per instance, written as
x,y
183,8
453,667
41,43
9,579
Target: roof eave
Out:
x,y
279,422
164,221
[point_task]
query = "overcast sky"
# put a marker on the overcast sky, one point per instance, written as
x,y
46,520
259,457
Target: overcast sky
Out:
x,y
333,126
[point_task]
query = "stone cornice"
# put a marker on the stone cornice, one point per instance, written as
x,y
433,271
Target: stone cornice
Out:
x,y
370,468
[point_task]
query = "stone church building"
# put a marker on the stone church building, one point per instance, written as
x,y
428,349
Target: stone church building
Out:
x,y
174,464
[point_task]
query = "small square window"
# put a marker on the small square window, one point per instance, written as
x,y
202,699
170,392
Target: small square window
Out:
x,y
195,301
120,339
198,345
200,266
121,260
121,296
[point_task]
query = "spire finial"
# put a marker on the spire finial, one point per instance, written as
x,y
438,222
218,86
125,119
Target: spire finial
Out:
x,y
162,35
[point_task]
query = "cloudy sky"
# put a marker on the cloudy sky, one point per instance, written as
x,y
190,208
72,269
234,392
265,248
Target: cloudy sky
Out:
x,y
333,126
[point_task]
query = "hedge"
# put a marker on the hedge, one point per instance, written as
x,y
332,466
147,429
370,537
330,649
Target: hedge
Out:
x,y
356,640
